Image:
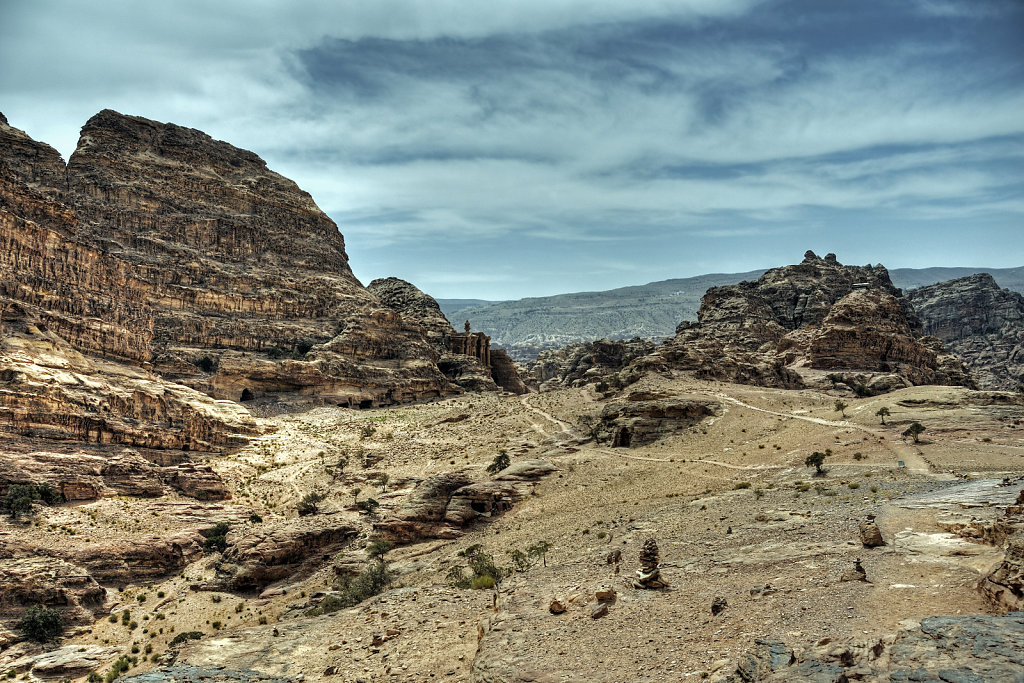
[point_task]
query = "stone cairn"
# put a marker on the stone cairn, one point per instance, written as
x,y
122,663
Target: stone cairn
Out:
x,y
649,573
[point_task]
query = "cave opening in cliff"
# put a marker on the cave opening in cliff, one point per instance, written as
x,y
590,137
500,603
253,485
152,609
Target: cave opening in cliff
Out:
x,y
364,404
622,438
247,395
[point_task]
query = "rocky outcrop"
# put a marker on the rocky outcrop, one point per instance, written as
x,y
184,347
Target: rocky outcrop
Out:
x,y
198,674
136,560
868,330
81,474
979,322
586,362
50,582
160,248
973,648
636,422
465,358
441,506
259,556
818,314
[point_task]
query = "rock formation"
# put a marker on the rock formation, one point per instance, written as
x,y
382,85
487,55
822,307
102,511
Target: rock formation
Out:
x,y
635,422
973,648
870,534
980,323
586,362
465,358
816,315
179,258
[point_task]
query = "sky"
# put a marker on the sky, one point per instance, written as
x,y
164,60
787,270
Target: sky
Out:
x,y
505,149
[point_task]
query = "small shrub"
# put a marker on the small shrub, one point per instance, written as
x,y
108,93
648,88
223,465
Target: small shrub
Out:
x,y
255,519
310,504
187,635
874,489
262,621
741,485
216,625
141,597
112,619
41,623
854,485
216,598
858,456
216,538
501,461
160,594
482,582
759,493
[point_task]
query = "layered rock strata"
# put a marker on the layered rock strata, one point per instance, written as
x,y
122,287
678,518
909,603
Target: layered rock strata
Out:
x,y
586,362
161,248
465,358
980,323
818,314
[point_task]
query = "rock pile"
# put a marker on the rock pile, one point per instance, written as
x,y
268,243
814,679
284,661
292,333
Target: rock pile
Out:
x,y
649,573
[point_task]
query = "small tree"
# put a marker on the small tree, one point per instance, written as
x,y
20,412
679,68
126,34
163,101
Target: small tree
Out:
x,y
540,549
41,623
310,504
378,549
501,461
883,413
19,499
817,459
914,430
841,408
355,495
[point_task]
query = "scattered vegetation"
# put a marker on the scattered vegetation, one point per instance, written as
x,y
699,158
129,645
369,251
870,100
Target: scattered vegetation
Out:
x,y
216,538
41,623
883,413
501,461
19,498
187,635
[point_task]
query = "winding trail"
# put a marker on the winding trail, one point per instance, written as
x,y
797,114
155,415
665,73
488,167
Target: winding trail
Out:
x,y
564,428
902,451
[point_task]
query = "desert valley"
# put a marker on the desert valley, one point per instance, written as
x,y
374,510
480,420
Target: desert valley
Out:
x,y
225,459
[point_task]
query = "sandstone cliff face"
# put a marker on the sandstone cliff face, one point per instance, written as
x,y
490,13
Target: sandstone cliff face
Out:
x,y
818,314
979,322
159,246
466,371
586,362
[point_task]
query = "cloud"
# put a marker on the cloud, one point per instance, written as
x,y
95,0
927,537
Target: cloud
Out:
x,y
579,126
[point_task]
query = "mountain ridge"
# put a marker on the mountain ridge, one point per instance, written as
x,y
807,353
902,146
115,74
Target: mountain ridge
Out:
x,y
650,311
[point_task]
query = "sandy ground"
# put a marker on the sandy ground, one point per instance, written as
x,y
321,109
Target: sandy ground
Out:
x,y
790,530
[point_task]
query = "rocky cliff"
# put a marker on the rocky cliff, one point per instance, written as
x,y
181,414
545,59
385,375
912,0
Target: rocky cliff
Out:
x,y
979,322
183,264
494,370
815,315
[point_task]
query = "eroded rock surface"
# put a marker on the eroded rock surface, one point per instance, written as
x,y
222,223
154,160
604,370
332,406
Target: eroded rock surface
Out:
x,y
941,649
817,314
979,322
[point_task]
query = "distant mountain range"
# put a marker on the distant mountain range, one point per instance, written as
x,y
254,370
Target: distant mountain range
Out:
x,y
527,326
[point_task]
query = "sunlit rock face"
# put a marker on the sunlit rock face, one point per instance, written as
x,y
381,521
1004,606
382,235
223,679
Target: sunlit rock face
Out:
x,y
161,270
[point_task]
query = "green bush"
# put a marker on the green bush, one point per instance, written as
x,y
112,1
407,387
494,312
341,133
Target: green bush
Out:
x,y
41,623
182,637
310,504
501,461
216,538
373,580
482,582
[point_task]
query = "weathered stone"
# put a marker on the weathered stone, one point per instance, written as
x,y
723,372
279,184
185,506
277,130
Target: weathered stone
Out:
x,y
858,573
557,606
635,423
870,534
718,605
586,362
979,322
972,649
69,661
817,314
264,555
599,610
50,582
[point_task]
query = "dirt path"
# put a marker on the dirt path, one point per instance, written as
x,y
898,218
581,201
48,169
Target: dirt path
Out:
x,y
901,451
564,428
